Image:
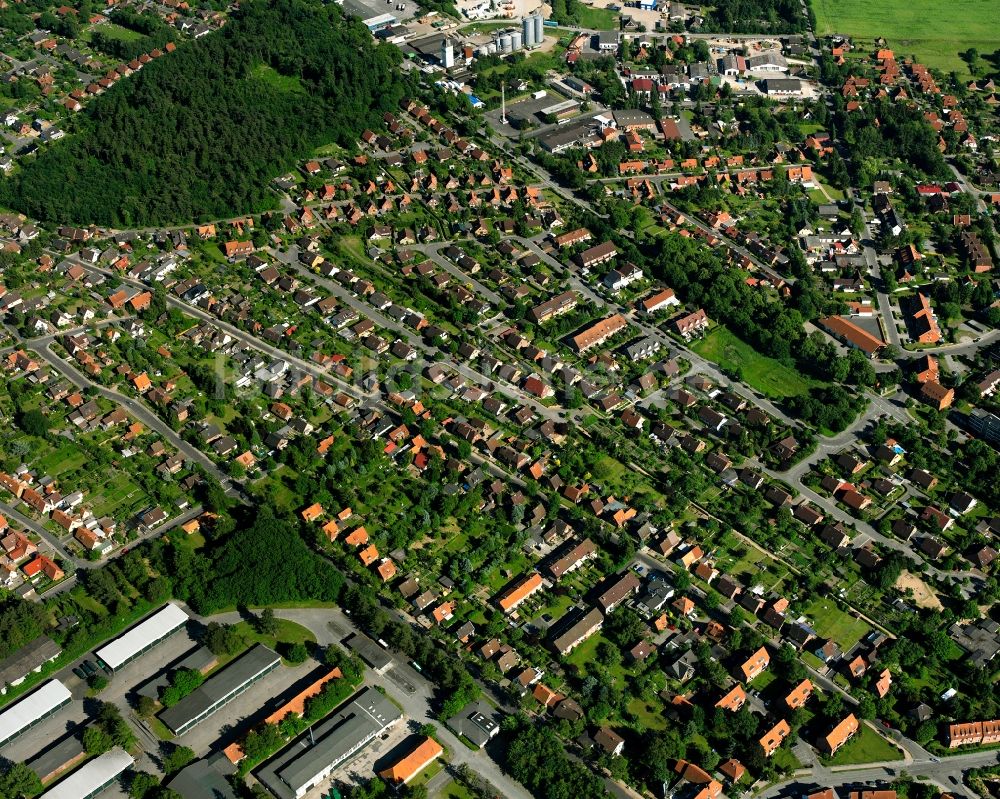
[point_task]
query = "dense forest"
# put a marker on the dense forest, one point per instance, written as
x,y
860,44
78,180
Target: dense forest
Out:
x,y
199,133
757,16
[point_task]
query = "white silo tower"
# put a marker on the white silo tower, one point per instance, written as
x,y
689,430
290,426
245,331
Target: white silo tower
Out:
x,y
447,53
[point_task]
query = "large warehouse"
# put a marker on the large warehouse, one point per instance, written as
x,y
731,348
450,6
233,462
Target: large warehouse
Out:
x,y
33,709
92,777
143,637
313,756
220,688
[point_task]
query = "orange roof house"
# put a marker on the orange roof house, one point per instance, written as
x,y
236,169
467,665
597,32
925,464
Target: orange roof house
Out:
x,y
733,769
313,512
443,612
357,537
43,565
545,695
509,601
733,700
142,383
191,527
841,734
331,530
386,570
683,605
883,684
401,772
774,737
755,664
799,695
246,460
368,555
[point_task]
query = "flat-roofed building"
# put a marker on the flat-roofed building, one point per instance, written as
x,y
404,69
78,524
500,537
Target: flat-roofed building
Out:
x,y
220,689
32,709
92,777
142,637
313,756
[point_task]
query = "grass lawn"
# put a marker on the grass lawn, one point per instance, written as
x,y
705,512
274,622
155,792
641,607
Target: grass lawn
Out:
x,y
599,19
832,622
786,758
117,32
865,747
650,715
455,790
287,633
586,653
284,83
765,374
933,31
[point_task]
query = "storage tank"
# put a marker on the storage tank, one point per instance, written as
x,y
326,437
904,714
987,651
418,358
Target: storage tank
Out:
x,y
504,42
539,28
515,40
527,31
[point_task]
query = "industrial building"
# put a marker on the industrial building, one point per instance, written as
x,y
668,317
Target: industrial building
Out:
x,y
221,688
29,658
205,779
32,709
313,756
92,777
143,637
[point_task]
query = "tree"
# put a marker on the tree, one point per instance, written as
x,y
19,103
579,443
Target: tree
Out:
x,y
33,422
18,780
297,653
96,741
177,758
146,706
267,624
143,785
222,639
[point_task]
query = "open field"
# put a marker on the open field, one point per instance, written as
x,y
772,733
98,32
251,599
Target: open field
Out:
x,y
765,374
933,31
865,747
922,595
831,622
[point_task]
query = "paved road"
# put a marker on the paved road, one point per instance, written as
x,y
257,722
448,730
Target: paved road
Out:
x,y
946,772
134,407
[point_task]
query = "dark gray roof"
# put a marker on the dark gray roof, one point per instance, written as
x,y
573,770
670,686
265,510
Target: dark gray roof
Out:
x,y
220,686
28,658
336,739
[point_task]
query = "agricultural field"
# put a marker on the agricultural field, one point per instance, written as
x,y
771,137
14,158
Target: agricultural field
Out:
x,y
765,374
933,31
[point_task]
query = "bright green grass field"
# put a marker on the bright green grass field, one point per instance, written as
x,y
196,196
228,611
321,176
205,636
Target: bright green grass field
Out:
x,y
768,376
865,747
933,30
